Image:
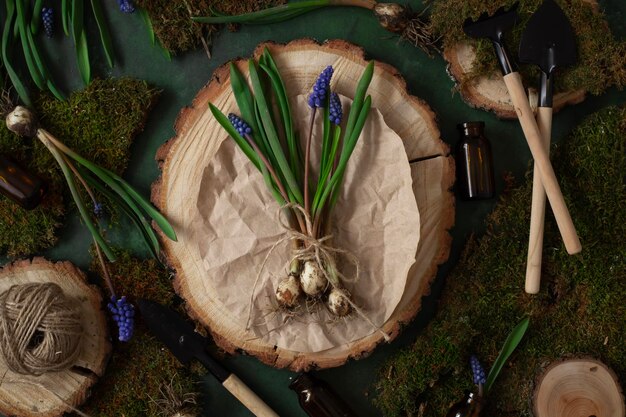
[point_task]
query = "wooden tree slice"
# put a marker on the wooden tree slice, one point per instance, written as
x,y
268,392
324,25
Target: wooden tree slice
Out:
x,y
184,158
55,393
490,93
578,388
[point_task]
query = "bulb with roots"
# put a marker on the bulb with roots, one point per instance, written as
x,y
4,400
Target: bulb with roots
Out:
x,y
339,302
312,279
288,292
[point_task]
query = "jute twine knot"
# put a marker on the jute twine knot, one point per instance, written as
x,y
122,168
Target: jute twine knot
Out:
x,y
40,329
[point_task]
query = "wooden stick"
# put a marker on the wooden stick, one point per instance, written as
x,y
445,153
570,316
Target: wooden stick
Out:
x,y
514,85
538,209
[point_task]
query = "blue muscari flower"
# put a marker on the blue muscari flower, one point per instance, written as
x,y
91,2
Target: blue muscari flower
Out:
x,y
98,210
242,127
123,314
318,97
335,112
47,15
126,6
477,371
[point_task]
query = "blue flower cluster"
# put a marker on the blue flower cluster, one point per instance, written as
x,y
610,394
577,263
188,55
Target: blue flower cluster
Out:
x,y
318,97
124,315
335,111
242,127
98,210
126,6
477,371
47,15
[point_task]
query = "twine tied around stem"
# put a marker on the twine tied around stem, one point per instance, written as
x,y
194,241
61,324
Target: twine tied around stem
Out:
x,y
317,249
40,329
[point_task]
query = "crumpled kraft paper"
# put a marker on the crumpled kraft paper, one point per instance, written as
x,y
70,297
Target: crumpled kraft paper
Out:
x,y
376,218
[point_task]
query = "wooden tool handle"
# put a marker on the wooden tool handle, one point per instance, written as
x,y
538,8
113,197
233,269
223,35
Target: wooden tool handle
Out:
x,y
538,209
248,397
542,161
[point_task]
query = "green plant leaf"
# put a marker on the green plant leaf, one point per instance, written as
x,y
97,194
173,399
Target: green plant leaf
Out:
x,y
243,96
84,213
146,18
35,20
80,40
33,68
359,95
241,142
279,12
139,221
105,36
514,338
118,185
147,206
272,136
269,66
65,16
21,90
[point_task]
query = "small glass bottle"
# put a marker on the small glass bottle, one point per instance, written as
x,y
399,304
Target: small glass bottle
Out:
x,y
474,162
318,399
21,186
469,406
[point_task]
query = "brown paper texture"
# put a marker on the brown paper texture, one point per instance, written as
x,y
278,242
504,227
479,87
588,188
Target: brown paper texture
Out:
x,y
376,218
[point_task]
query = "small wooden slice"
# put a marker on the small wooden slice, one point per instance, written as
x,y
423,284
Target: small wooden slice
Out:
x,y
55,393
184,158
490,93
578,388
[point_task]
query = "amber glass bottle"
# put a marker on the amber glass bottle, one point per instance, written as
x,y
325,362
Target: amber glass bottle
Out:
x,y
19,185
469,406
474,162
318,399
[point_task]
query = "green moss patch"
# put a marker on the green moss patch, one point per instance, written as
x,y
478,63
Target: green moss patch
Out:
x,y
601,58
178,33
139,372
580,310
100,123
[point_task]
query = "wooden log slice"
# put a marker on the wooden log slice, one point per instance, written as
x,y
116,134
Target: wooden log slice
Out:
x,y
490,93
55,393
578,388
184,157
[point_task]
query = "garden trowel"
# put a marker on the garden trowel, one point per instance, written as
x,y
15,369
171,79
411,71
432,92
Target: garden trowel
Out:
x,y
187,345
549,42
493,27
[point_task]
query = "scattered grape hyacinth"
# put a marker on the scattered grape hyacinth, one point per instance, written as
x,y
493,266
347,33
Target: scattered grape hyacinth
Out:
x,y
335,110
318,97
478,371
98,210
126,6
123,314
47,15
242,127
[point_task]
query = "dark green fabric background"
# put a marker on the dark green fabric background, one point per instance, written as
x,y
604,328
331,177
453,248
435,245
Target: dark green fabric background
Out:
x,y
180,80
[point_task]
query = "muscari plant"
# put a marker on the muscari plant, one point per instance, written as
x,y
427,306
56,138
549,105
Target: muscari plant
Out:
x,y
22,24
391,16
78,170
471,405
285,167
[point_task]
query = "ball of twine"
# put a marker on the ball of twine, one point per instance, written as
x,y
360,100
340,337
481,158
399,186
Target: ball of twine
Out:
x,y
40,329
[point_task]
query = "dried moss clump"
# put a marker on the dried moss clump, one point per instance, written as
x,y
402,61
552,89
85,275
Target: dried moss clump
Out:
x,y
141,375
580,310
601,58
99,122
178,33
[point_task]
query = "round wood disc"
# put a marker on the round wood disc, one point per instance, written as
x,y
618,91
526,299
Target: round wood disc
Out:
x,y
490,93
55,393
184,158
578,388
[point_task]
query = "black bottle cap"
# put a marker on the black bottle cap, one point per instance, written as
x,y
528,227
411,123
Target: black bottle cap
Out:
x,y
471,128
